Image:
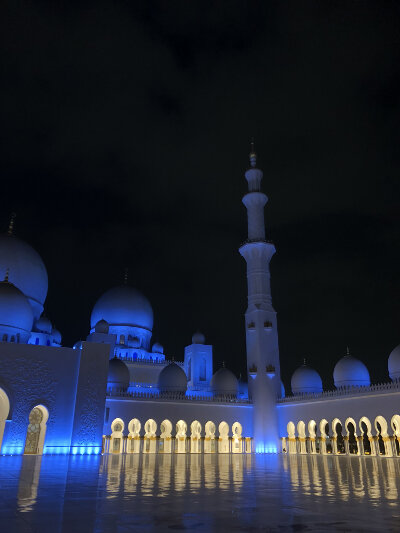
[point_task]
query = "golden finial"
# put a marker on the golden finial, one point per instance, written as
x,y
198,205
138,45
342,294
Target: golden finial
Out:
x,y
6,276
252,155
347,350
11,224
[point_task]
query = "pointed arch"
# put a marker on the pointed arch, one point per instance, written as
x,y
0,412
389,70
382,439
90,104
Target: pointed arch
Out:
x,y
134,428
301,430
351,433
367,440
223,441
195,436
165,436
36,430
383,441
180,437
237,439
117,435
209,440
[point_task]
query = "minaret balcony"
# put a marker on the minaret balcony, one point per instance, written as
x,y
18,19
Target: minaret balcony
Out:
x,y
253,371
267,325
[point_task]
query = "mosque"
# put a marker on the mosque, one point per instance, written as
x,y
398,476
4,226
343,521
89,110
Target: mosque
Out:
x,y
117,392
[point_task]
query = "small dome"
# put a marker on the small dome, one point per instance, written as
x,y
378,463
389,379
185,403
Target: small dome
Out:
x,y
172,379
394,363
157,348
43,325
283,392
224,382
101,327
26,270
350,372
56,336
123,306
118,374
198,338
16,315
306,380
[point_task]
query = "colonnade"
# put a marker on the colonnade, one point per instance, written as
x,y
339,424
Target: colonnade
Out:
x,y
350,438
162,441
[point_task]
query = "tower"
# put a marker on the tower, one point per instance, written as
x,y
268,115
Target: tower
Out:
x,y
260,317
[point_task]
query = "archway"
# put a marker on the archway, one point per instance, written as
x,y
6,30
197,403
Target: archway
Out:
x,y
36,431
195,436
150,429
350,425
134,428
209,441
165,436
4,411
180,437
383,441
326,445
395,423
237,439
223,440
338,439
117,435
365,428
301,431
291,429
312,432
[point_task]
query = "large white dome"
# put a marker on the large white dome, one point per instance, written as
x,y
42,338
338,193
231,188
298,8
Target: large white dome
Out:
x,y
351,372
224,382
394,363
123,306
172,379
26,270
16,315
306,380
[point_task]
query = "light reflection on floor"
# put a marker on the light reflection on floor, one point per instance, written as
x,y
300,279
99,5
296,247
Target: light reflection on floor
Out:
x,y
122,493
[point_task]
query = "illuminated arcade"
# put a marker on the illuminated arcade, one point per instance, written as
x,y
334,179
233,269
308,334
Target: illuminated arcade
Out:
x,y
118,392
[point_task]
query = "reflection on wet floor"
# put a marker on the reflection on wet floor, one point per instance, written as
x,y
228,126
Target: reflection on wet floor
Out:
x,y
179,491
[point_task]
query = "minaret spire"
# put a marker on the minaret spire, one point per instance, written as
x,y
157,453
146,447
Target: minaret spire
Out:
x,y
261,324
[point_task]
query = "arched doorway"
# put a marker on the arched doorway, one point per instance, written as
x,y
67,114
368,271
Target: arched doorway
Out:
x,y
338,439
291,429
351,436
382,436
117,435
301,431
36,431
237,439
195,436
165,436
180,437
395,423
4,410
150,429
326,444
312,432
209,441
223,441
365,427
134,428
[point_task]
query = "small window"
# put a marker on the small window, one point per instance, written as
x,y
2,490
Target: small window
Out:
x,y
5,337
12,338
37,341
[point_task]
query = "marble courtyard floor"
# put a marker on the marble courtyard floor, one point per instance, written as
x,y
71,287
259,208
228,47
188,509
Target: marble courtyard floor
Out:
x,y
124,493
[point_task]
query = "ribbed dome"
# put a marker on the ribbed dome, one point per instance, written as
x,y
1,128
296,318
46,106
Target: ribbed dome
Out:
x,y
306,380
16,315
172,379
198,338
118,374
56,336
101,327
224,382
43,325
26,270
123,306
394,363
350,372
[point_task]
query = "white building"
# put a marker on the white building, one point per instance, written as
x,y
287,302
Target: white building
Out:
x,y
117,392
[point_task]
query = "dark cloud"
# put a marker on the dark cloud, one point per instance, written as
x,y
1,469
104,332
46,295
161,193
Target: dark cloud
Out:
x,y
124,138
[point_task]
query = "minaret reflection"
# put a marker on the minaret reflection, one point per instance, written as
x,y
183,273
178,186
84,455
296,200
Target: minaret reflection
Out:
x,y
28,482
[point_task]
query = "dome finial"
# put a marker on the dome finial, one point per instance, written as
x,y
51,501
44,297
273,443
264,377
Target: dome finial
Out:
x,y
11,224
347,350
223,364
6,276
126,276
252,155
304,362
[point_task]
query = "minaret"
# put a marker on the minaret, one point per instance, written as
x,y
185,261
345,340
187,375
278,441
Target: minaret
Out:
x,y
261,324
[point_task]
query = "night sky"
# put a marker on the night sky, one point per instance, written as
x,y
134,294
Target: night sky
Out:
x,y
125,131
